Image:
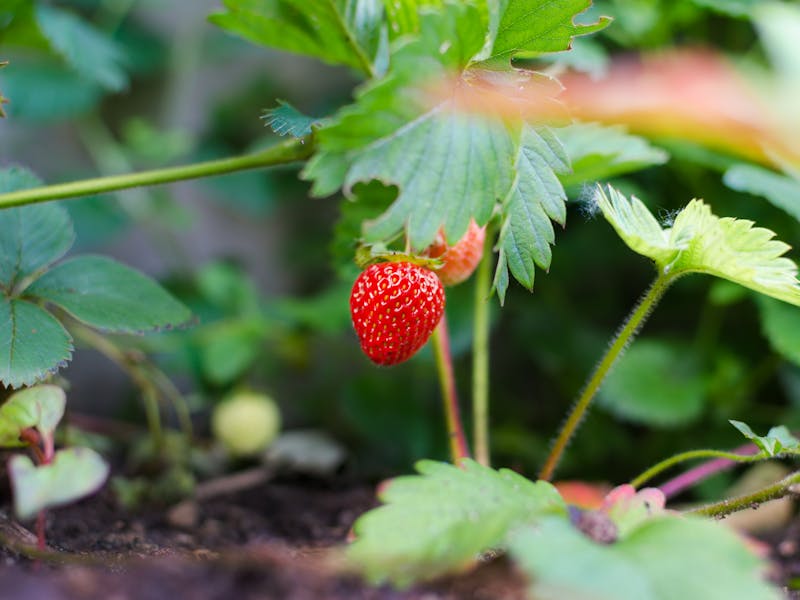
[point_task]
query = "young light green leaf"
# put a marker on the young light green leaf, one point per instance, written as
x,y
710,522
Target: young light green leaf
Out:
x,y
285,118
777,441
73,474
701,242
109,296
89,52
779,190
31,237
634,388
598,152
33,344
41,406
441,520
528,28
343,32
664,558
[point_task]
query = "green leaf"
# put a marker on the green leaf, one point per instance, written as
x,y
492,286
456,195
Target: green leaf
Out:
x,y
33,344
777,441
528,28
536,197
89,52
779,190
598,152
31,237
403,15
780,324
635,389
285,118
41,406
107,295
73,474
228,348
442,519
700,242
665,558
731,8
343,32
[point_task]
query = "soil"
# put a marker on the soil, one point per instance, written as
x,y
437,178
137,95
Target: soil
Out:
x,y
279,539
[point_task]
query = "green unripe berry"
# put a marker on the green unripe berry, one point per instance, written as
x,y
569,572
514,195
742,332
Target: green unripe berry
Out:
x,y
246,423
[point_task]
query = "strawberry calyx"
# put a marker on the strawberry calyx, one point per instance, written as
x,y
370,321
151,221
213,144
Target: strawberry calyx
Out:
x,y
372,254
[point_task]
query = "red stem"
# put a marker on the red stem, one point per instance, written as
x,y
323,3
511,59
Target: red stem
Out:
x,y
444,361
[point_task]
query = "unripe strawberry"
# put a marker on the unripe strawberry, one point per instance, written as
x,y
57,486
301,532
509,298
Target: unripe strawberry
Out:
x,y
246,422
395,307
460,260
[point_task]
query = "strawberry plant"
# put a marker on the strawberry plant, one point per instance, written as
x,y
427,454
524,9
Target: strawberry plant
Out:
x,y
472,125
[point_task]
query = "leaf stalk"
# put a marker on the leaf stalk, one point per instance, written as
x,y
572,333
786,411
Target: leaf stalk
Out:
x,y
444,365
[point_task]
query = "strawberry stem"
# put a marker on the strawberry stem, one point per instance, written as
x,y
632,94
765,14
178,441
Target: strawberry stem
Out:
x,y
620,342
480,354
444,364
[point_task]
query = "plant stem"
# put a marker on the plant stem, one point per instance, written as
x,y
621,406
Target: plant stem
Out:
x,y
283,153
676,485
444,365
480,354
624,337
691,455
777,490
41,530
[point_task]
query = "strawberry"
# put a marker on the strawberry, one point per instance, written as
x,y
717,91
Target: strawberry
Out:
x,y
395,307
460,260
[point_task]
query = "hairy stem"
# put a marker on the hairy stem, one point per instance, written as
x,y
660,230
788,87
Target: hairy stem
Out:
x,y
691,455
480,354
444,364
676,485
782,488
283,153
624,337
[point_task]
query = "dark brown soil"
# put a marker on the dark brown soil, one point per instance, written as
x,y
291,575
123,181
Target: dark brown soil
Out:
x,y
277,540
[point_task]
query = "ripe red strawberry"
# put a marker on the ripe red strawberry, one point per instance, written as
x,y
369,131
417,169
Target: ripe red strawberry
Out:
x,y
460,260
395,307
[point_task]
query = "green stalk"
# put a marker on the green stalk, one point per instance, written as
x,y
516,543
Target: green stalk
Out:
x,y
444,365
691,455
782,488
480,354
283,153
624,337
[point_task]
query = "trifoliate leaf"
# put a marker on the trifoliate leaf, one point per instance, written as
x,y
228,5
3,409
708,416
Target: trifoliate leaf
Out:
x,y
536,198
781,191
343,32
528,28
285,118
110,296
634,390
33,344
598,152
777,441
441,520
31,237
701,242
664,558
89,52
73,474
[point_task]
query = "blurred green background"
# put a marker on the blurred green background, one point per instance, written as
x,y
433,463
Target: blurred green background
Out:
x,y
98,87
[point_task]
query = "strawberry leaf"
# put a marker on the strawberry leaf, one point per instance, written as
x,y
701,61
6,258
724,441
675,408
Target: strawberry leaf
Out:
x,y
345,32
285,118
777,441
663,558
41,407
442,519
109,296
700,242
599,152
33,344
31,237
528,28
779,190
